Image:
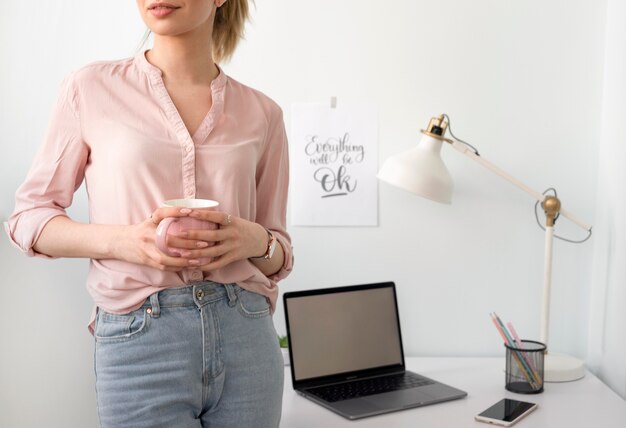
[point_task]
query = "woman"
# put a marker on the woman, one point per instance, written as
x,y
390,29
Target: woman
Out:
x,y
178,344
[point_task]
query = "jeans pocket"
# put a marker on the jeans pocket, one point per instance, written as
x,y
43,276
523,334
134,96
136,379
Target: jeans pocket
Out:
x,y
120,327
253,305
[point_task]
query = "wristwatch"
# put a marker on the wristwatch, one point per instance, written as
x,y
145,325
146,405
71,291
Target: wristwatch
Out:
x,y
271,246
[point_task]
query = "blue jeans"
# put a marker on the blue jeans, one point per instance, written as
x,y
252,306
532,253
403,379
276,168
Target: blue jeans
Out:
x,y
205,355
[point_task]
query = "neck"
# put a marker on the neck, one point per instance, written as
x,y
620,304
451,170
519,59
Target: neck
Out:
x,y
185,58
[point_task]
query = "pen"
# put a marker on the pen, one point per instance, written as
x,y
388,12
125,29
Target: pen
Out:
x,y
516,354
520,346
521,355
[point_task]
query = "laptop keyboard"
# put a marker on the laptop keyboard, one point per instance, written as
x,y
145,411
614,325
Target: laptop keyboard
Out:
x,y
371,386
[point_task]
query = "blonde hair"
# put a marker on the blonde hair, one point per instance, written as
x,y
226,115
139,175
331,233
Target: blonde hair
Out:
x,y
228,28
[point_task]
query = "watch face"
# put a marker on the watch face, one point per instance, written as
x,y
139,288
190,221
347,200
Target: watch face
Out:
x,y
271,249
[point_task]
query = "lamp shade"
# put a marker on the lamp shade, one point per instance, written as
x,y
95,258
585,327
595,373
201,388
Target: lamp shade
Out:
x,y
420,171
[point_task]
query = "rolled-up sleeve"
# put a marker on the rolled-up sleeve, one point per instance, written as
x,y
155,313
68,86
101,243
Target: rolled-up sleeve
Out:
x,y
57,171
272,189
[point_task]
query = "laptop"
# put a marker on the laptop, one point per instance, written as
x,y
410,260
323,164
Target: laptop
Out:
x,y
346,352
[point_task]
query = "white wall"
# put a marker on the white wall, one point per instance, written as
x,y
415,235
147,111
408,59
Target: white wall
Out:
x,y
520,80
607,320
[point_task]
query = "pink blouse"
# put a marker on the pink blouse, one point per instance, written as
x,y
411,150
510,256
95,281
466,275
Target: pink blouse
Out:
x,y
116,127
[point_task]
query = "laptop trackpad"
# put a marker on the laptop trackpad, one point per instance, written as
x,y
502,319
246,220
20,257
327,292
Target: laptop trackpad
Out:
x,y
399,399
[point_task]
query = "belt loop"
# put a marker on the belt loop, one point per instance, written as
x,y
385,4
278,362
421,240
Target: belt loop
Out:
x,y
232,296
154,302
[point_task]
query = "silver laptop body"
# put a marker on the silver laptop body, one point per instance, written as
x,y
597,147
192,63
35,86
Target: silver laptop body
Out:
x,y
348,339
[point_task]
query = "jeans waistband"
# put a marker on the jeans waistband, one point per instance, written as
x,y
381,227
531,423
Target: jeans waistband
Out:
x,y
195,294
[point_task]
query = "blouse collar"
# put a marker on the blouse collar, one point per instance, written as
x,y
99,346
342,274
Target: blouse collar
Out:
x,y
154,71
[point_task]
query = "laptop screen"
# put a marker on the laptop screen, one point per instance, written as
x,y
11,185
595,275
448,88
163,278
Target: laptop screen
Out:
x,y
342,330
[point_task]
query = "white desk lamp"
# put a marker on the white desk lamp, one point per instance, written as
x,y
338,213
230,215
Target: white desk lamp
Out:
x,y
421,171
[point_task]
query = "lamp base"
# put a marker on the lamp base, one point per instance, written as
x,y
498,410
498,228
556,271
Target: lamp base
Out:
x,y
562,368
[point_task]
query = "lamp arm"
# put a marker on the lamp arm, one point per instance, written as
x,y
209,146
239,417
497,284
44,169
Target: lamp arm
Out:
x,y
467,151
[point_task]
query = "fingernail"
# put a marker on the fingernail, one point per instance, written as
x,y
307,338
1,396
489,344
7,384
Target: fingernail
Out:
x,y
193,262
202,244
185,253
185,211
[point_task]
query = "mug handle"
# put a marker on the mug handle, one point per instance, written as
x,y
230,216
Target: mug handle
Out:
x,y
161,236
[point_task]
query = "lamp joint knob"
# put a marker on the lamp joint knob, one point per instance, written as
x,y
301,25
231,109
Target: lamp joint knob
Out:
x,y
551,206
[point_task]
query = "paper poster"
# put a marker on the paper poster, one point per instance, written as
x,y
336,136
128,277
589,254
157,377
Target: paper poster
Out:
x,y
334,161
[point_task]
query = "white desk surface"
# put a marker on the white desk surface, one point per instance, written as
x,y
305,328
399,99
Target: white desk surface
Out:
x,y
584,403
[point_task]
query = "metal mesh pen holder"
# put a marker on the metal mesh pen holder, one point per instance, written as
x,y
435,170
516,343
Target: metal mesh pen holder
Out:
x,y
524,367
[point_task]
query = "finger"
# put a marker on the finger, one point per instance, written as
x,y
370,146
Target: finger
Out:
x,y
161,267
207,235
183,243
212,252
163,212
164,268
176,262
150,221
219,217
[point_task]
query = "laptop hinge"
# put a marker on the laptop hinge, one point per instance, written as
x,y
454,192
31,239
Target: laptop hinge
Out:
x,y
346,378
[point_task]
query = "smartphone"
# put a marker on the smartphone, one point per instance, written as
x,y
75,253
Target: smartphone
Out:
x,y
506,412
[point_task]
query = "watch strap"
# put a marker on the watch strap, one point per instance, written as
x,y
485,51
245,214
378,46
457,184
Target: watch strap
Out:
x,y
271,246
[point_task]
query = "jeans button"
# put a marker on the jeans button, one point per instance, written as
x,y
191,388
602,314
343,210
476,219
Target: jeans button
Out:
x,y
199,294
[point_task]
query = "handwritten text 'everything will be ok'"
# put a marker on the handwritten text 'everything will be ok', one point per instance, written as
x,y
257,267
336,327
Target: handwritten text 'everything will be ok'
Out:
x,y
334,156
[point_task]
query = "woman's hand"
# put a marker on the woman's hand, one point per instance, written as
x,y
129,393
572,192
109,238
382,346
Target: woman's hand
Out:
x,y
137,244
236,239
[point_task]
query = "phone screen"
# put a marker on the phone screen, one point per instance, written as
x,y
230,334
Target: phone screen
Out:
x,y
507,410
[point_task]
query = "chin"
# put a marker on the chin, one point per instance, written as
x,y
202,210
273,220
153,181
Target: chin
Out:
x,y
167,29
176,24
